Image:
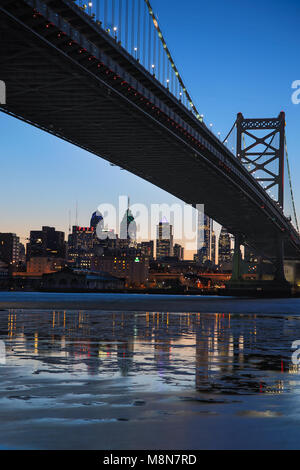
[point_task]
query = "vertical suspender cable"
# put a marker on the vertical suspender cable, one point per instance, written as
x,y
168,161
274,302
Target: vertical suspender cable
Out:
x,y
164,67
154,51
126,25
158,63
98,10
105,14
113,13
155,22
138,29
132,27
120,21
149,44
144,35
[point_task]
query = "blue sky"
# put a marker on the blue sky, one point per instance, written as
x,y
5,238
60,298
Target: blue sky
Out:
x,y
233,55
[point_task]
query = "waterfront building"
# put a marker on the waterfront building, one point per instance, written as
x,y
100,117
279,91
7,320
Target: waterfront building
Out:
x,y
46,243
39,265
124,264
10,249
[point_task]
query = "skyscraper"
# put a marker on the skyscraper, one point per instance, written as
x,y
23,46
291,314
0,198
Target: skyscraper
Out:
x,y
203,238
213,248
81,247
97,222
164,240
225,255
128,227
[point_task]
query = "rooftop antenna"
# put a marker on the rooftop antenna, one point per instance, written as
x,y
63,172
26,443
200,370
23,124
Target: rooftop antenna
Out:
x,y
69,221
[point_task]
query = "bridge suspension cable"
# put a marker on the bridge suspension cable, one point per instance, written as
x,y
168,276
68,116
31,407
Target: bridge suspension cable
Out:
x,y
134,26
229,133
290,185
170,59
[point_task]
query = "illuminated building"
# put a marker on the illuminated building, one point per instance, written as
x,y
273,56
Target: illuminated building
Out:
x,y
81,247
146,249
164,240
128,228
39,265
203,238
46,243
9,248
225,255
213,248
124,265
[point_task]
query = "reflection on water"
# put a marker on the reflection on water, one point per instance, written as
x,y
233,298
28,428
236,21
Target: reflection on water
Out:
x,y
218,353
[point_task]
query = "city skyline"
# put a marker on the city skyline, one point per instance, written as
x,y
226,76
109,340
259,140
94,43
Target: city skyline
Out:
x,y
76,175
149,240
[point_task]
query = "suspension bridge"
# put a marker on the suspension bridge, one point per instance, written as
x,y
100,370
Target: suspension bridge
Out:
x,y
101,76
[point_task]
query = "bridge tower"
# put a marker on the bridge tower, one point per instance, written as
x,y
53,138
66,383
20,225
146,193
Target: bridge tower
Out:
x,y
263,156
261,149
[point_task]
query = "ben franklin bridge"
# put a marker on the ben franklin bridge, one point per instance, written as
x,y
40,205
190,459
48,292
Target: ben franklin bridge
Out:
x,y
101,76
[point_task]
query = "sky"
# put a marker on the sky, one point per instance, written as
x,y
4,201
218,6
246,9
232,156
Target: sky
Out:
x,y
234,56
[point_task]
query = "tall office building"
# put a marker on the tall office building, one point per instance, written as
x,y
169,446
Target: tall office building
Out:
x,y
203,238
9,248
164,240
97,222
46,242
225,255
213,248
128,227
178,251
80,247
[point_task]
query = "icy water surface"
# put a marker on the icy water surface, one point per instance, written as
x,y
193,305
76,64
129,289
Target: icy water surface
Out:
x,y
95,379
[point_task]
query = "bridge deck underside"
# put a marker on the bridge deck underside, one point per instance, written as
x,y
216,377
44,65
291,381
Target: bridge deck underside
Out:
x,y
47,89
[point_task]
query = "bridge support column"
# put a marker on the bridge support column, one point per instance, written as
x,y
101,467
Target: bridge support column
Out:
x,y
237,286
260,268
279,262
237,259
